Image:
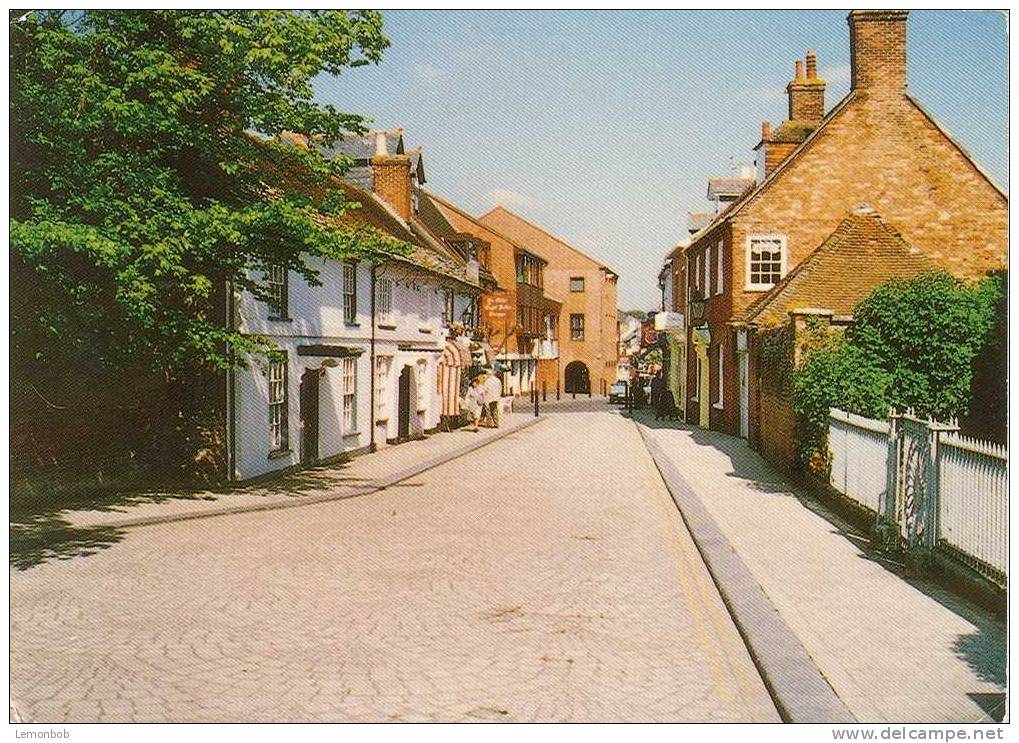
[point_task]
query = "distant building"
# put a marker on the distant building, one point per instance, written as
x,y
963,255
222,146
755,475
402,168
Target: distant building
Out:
x,y
518,317
587,290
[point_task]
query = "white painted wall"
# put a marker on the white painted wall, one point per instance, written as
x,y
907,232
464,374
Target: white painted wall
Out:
x,y
316,317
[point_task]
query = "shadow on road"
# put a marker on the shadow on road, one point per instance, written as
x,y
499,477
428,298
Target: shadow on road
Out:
x,y
983,650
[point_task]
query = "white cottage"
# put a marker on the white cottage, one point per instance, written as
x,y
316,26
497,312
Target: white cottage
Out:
x,y
357,367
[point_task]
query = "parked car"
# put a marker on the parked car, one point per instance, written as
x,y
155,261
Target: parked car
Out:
x,y
617,393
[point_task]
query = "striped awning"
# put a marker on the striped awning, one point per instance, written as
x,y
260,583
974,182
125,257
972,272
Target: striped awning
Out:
x,y
455,355
455,358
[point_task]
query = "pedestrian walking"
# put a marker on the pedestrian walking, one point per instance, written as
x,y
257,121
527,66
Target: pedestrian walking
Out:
x,y
657,390
473,402
493,399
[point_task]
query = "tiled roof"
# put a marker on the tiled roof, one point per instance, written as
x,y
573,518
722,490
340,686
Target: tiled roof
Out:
x,y
696,221
501,215
427,251
862,253
728,186
360,148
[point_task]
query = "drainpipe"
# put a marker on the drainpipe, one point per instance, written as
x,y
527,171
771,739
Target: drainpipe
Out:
x,y
372,447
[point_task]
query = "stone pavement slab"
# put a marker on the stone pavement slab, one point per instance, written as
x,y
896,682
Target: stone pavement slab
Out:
x,y
894,649
361,475
547,576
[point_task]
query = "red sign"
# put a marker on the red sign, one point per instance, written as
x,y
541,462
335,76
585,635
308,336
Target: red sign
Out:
x,y
497,307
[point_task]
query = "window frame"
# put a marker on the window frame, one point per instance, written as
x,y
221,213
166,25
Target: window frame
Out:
x,y
350,293
281,382
383,301
583,283
278,289
383,368
783,262
348,371
574,336
720,260
707,271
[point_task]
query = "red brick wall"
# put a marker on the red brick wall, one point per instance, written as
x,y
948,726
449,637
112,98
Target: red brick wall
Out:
x,y
877,48
772,419
391,181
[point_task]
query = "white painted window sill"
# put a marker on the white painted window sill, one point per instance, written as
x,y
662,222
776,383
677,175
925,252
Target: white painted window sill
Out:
x,y
718,406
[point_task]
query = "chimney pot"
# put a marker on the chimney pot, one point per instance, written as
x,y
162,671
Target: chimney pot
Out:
x,y
811,65
765,130
799,69
381,149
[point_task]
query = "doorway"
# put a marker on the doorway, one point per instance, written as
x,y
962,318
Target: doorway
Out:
x,y
403,405
578,379
309,416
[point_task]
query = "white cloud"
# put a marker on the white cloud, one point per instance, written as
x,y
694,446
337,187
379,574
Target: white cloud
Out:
x,y
511,199
428,72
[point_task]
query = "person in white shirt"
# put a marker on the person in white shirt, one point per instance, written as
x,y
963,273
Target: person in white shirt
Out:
x,y
493,395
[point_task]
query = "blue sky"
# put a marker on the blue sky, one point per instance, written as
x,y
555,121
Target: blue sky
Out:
x,y
604,126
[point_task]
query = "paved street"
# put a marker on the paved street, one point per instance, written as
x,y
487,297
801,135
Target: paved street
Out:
x,y
547,576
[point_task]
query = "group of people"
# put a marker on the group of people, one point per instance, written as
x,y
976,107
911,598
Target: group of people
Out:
x,y
482,400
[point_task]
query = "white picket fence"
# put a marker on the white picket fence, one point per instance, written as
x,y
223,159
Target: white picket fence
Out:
x,y
973,499
967,479
859,457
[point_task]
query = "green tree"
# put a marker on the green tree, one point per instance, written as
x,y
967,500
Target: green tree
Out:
x,y
139,186
924,333
912,344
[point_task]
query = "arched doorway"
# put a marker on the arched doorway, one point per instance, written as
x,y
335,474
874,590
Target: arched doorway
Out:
x,y
578,379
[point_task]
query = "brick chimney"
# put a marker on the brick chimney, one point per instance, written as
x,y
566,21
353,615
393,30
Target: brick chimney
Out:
x,y
391,177
806,93
877,47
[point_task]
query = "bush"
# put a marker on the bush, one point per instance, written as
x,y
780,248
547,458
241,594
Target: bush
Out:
x,y
912,345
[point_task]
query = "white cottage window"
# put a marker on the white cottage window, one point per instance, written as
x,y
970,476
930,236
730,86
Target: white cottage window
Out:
x,y
766,261
384,301
383,365
350,293
278,399
350,395
276,281
422,388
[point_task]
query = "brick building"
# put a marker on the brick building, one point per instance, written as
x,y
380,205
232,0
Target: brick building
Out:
x,y
517,315
774,328
877,146
588,324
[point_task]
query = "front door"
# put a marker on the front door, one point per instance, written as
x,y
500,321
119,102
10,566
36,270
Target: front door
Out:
x,y
403,407
704,385
309,416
